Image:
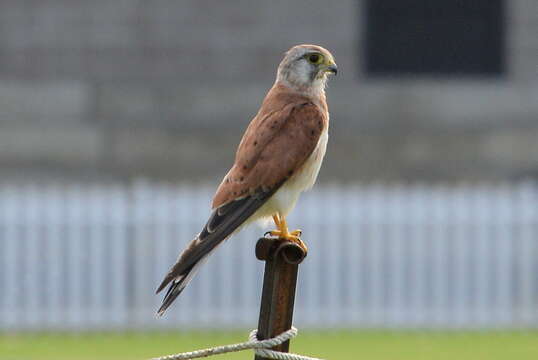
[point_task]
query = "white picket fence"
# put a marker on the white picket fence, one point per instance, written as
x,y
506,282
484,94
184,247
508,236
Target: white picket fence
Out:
x,y
89,256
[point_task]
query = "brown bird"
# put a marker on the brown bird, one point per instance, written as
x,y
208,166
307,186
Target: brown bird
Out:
x,y
279,157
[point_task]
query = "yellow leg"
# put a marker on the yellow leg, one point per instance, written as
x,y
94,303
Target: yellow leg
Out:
x,y
276,219
283,233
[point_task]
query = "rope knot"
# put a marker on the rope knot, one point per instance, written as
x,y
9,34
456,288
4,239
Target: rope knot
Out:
x,y
277,340
260,347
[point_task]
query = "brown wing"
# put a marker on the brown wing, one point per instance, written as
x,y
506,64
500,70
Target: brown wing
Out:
x,y
273,148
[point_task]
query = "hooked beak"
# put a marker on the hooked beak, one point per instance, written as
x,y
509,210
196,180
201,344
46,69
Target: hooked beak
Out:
x,y
332,68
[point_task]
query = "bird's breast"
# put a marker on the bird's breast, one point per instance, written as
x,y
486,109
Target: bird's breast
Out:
x,y
284,200
306,177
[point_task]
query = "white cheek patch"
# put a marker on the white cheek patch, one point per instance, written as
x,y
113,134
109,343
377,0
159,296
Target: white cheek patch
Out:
x,y
302,73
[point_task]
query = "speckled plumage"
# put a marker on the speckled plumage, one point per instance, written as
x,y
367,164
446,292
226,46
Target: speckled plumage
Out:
x,y
276,144
279,157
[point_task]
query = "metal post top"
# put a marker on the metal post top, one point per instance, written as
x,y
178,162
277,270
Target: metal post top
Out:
x,y
282,259
270,248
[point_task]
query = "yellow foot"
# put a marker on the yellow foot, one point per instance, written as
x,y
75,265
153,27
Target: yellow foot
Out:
x,y
293,236
297,232
283,233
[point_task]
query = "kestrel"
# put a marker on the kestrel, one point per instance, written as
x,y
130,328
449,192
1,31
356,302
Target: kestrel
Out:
x,y
279,157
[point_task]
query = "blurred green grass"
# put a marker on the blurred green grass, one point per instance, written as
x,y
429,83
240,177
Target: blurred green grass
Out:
x,y
333,345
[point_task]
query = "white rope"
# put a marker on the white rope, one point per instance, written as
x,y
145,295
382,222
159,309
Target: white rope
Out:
x,y
261,348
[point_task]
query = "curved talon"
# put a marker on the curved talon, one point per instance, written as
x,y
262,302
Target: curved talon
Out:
x,y
277,233
297,232
291,237
283,233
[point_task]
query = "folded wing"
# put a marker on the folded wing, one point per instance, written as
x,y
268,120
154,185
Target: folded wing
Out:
x,y
274,147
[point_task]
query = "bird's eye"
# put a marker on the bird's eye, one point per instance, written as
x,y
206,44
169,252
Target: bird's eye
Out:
x,y
314,58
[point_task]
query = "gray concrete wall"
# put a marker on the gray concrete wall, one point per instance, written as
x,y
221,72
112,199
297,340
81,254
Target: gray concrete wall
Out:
x,y
126,88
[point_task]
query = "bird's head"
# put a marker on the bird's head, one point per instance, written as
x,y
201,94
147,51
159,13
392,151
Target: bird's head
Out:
x,y
305,68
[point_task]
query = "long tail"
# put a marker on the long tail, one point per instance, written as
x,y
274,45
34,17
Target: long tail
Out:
x,y
178,277
177,286
173,292
222,223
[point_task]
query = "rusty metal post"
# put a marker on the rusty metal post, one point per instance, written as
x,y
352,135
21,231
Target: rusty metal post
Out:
x,y
282,261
